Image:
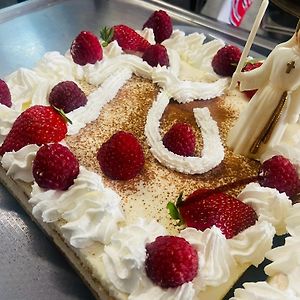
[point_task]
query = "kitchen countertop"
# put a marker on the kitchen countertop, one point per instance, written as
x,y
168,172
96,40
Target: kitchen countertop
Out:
x,y
31,267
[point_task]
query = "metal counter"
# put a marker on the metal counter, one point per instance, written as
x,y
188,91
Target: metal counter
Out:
x,y
30,266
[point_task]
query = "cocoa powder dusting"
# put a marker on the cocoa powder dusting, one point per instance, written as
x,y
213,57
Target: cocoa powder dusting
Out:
x,y
128,111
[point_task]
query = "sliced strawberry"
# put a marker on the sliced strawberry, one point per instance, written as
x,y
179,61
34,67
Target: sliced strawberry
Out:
x,y
121,157
205,208
55,167
278,172
129,40
86,49
5,96
161,24
67,95
226,60
171,261
156,55
249,67
180,139
37,125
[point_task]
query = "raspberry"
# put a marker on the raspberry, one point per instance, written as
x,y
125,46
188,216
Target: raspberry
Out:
x,y
55,167
86,49
225,61
37,125
204,208
250,67
121,157
161,24
171,261
5,97
156,55
279,173
180,139
67,96
129,40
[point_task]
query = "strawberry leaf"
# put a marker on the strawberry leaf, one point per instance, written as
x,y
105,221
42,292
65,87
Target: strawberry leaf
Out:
x,y
173,211
62,113
179,199
106,35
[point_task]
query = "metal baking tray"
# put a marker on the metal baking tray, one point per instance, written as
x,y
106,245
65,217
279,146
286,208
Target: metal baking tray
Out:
x,y
31,267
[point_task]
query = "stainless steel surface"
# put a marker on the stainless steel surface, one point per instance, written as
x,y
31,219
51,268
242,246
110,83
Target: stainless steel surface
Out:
x,y
290,6
30,28
31,268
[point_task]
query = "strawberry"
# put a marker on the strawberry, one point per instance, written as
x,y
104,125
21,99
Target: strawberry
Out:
x,y
36,125
86,49
279,173
226,60
156,55
121,157
171,261
180,139
67,96
55,167
161,24
5,96
204,208
248,67
129,40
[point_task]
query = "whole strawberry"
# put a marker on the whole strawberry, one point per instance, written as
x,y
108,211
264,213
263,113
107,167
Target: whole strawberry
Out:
x,y
204,208
37,125
129,40
5,96
156,55
121,157
279,173
249,67
86,49
226,60
180,139
55,167
67,96
171,261
161,24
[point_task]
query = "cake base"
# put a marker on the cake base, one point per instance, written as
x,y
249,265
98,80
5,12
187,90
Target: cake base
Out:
x,y
21,192
76,257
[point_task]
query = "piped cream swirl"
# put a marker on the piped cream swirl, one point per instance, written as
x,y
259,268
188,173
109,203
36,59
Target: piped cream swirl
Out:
x,y
19,163
124,257
91,212
215,259
212,153
269,204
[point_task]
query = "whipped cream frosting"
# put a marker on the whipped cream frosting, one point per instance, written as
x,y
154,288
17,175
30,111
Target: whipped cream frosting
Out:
x,y
212,153
147,290
293,220
250,245
7,118
91,211
96,100
285,260
271,205
215,259
190,75
124,257
262,291
19,163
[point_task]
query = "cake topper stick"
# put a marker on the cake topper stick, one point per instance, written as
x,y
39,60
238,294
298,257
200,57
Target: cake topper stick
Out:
x,y
249,43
